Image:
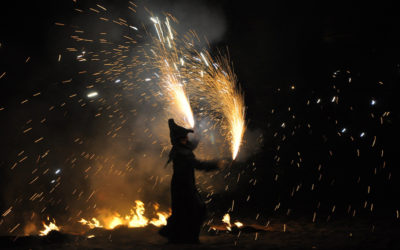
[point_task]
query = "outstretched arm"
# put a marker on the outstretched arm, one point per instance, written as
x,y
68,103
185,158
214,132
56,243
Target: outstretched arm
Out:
x,y
205,165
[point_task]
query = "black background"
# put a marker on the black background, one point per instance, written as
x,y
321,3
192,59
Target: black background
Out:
x,y
273,45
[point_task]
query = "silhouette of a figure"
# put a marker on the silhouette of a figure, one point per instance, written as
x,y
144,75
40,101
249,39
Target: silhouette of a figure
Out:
x,y
188,209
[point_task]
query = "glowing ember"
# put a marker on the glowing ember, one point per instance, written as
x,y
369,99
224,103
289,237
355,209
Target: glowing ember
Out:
x,y
92,223
227,220
238,224
47,228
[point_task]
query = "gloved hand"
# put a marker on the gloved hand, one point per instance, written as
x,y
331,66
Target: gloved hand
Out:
x,y
222,164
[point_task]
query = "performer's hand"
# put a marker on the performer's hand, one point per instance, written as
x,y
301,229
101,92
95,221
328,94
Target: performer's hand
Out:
x,y
222,164
196,136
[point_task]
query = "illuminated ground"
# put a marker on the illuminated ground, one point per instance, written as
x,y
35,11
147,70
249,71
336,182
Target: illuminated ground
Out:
x,y
298,235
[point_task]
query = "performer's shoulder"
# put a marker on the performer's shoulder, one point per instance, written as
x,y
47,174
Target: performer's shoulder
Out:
x,y
183,151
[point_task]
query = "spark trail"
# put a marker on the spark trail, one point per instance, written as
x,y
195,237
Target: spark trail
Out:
x,y
211,82
165,57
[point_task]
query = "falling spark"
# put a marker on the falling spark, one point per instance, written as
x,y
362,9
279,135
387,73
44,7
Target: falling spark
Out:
x,y
196,75
205,60
92,94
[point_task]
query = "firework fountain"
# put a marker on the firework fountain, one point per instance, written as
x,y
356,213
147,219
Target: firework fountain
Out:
x,y
211,82
165,57
184,79
217,81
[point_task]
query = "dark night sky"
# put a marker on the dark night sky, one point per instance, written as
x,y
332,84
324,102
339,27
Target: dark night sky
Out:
x,y
272,47
280,43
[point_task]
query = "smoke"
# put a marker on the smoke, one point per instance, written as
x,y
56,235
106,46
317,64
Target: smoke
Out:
x,y
101,154
131,165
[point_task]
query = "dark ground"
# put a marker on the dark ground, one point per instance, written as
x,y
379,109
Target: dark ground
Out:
x,y
299,234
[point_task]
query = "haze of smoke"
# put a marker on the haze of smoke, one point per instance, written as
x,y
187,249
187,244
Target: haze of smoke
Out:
x,y
100,171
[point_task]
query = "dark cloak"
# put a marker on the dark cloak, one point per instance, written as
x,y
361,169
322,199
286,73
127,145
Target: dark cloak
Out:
x,y
188,208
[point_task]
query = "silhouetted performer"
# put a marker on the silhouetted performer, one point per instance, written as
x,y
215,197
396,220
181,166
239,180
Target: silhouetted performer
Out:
x,y
188,209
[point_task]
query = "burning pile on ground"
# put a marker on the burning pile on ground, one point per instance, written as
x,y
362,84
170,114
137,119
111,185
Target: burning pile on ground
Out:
x,y
110,220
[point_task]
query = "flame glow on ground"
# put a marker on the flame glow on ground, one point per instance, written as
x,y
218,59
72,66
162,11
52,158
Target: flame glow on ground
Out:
x,y
136,218
48,228
179,70
227,221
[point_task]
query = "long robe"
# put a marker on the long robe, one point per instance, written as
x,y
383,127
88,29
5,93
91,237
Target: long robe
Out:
x,y
188,208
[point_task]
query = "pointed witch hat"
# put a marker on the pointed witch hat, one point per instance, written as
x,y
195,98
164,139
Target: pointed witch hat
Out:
x,y
176,132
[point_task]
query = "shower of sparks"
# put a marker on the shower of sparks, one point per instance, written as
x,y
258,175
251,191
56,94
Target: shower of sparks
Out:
x,y
180,71
165,58
231,104
169,71
218,83
185,69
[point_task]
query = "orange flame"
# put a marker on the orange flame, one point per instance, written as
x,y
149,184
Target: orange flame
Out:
x,y
227,220
47,228
136,218
161,221
92,223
